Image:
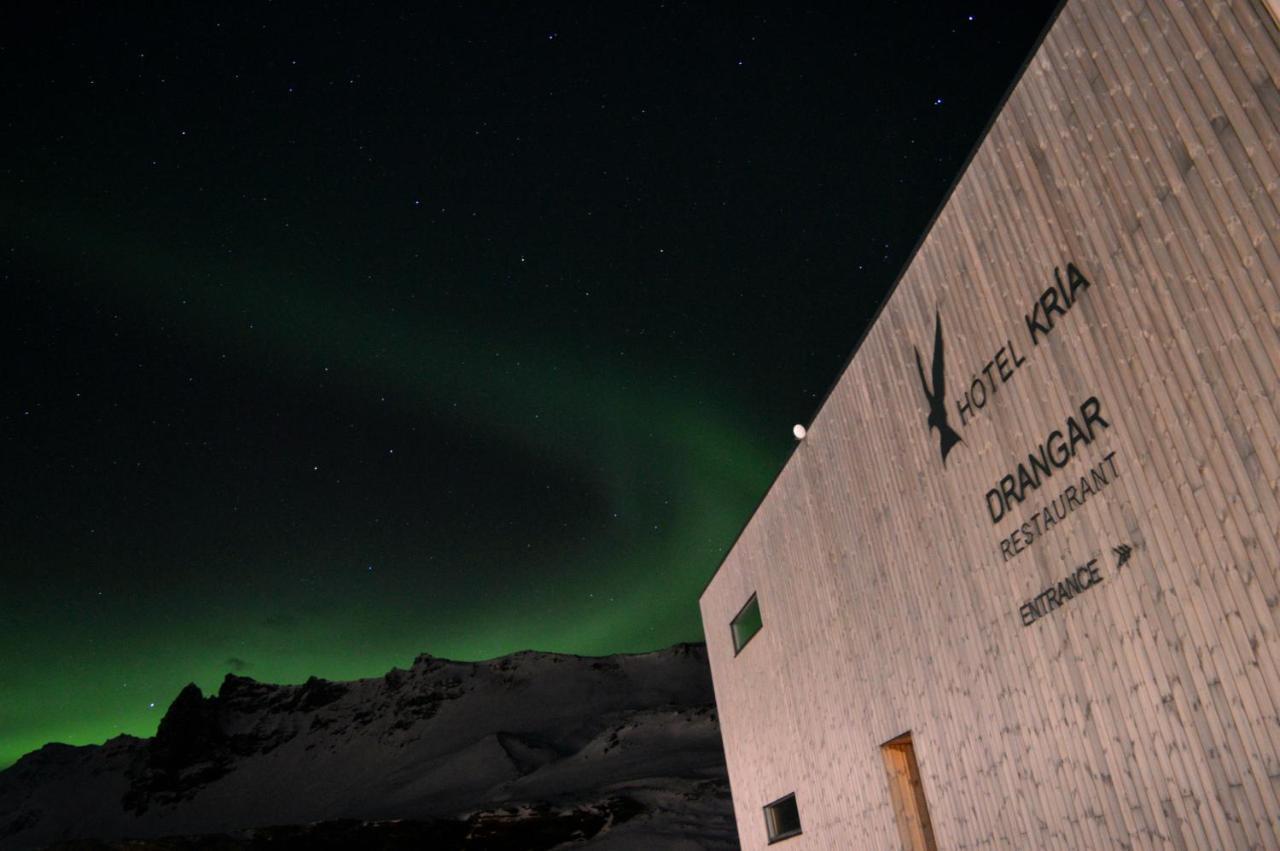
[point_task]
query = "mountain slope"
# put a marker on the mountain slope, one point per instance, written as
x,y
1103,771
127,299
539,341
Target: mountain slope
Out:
x,y
628,746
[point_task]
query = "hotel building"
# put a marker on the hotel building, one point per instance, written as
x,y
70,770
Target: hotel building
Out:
x,y
1019,585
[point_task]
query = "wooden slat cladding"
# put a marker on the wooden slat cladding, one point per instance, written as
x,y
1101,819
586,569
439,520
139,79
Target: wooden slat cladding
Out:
x,y
1108,677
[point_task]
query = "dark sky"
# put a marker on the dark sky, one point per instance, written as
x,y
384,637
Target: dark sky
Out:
x,y
338,333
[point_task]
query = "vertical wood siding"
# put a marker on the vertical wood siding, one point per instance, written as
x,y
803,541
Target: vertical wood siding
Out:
x,y
1142,145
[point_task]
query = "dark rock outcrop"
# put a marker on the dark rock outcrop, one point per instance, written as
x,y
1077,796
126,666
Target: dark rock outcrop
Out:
x,y
506,753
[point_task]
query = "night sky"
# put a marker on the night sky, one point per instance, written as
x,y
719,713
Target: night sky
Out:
x,y
334,334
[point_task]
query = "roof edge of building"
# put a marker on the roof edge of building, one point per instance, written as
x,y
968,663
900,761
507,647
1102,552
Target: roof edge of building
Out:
x,y
911,256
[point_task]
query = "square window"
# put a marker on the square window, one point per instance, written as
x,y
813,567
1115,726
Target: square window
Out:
x,y
782,818
746,624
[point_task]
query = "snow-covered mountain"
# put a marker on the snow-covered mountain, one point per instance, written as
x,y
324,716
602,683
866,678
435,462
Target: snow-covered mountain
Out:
x,y
623,751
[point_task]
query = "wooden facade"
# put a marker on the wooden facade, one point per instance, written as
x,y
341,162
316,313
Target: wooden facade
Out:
x,y
1080,631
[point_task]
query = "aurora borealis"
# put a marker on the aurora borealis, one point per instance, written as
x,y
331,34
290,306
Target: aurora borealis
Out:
x,y
335,335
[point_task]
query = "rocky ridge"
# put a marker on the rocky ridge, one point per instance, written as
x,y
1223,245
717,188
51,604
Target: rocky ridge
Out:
x,y
620,751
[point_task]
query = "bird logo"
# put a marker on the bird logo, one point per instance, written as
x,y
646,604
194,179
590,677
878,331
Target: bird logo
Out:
x,y
937,396
1123,552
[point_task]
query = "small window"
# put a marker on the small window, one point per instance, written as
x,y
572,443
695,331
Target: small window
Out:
x,y
907,793
746,624
782,818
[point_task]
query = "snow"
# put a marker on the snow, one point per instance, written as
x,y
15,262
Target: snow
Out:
x,y
441,740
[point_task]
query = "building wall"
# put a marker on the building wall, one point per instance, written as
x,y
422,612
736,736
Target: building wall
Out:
x,y
1141,146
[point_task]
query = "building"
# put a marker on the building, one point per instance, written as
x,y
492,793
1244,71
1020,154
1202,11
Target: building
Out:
x,y
1019,587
